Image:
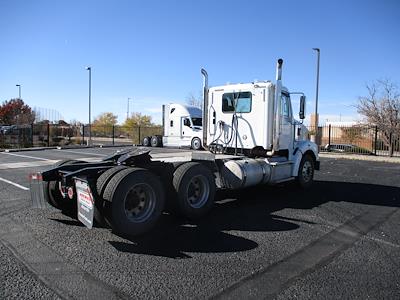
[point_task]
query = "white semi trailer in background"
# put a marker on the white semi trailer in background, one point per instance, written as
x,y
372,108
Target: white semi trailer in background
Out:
x,y
182,127
252,139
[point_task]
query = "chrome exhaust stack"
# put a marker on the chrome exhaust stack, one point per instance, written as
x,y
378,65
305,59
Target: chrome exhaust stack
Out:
x,y
205,107
277,106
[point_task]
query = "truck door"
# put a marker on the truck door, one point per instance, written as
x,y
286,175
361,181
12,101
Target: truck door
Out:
x,y
186,128
286,139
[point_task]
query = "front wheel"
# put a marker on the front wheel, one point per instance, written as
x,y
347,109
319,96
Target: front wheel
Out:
x,y
305,177
196,144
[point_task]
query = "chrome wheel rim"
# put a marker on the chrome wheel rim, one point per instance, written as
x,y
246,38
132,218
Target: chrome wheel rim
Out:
x,y
198,191
307,171
196,144
139,203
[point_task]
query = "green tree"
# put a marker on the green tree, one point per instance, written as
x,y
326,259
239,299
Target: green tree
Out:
x,y
106,119
103,123
137,119
16,112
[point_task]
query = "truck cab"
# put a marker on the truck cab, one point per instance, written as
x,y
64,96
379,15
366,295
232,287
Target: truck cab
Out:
x,y
182,126
256,120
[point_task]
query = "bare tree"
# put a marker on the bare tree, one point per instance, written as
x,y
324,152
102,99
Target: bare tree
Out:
x,y
381,107
192,100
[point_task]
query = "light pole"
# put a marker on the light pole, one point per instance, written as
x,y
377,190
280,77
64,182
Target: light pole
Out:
x,y
316,93
90,99
127,112
19,90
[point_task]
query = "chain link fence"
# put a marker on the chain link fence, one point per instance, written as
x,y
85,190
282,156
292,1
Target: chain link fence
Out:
x,y
47,135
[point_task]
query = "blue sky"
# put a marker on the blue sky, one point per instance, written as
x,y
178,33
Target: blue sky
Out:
x,y
152,51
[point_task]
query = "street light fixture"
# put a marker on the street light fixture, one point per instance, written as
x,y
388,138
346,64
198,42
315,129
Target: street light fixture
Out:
x,y
90,99
316,93
19,89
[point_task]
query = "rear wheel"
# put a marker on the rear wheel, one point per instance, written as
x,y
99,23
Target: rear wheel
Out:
x,y
146,141
305,177
195,189
155,141
137,197
53,194
102,208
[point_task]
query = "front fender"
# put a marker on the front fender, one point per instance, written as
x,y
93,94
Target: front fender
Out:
x,y
301,148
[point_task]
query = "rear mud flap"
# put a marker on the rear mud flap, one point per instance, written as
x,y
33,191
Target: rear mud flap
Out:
x,y
38,191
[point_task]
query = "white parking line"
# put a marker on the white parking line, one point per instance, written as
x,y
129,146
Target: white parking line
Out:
x,y
25,156
14,184
32,164
27,164
81,152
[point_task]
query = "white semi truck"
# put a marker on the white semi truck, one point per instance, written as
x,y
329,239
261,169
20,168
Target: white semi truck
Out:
x,y
251,137
182,127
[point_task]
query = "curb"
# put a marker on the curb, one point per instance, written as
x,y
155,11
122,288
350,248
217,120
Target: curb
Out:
x,y
65,147
361,157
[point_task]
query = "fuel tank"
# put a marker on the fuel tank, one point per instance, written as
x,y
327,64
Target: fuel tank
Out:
x,y
247,172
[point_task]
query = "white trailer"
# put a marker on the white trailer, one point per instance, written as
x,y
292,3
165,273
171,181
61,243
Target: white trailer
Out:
x,y
182,127
251,137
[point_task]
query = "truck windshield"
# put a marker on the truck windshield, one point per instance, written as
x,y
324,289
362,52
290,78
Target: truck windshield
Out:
x,y
197,121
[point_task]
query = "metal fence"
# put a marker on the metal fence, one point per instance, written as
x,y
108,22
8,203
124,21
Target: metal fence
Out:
x,y
360,139
345,139
46,135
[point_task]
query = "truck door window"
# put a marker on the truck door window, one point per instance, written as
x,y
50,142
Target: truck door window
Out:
x,y
186,122
241,100
285,110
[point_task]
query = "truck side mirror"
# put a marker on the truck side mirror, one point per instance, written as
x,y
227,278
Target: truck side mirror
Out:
x,y
302,107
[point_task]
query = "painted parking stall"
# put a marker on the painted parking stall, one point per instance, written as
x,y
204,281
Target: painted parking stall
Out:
x,y
347,216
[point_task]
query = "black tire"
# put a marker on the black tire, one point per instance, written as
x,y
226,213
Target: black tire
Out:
x,y
146,141
155,141
196,144
105,178
194,185
53,195
138,213
305,176
102,209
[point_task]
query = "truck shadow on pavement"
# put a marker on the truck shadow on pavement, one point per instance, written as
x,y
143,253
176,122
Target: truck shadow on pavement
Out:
x,y
251,210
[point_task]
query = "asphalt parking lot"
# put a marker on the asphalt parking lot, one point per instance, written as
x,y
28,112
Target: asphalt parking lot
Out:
x,y
340,239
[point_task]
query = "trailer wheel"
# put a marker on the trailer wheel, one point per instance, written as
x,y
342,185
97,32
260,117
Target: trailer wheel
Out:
x,y
53,195
102,208
137,197
146,141
196,143
155,141
305,175
195,189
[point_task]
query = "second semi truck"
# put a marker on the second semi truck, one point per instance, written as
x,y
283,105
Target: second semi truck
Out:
x,y
182,127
